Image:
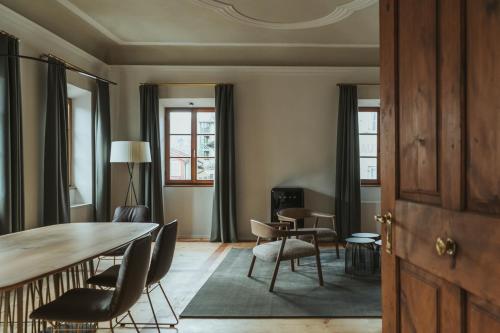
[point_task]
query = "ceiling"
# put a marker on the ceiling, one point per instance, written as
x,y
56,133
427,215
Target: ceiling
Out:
x,y
214,32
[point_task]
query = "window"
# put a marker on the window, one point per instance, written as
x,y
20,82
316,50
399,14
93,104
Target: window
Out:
x,y
369,154
79,145
190,146
69,141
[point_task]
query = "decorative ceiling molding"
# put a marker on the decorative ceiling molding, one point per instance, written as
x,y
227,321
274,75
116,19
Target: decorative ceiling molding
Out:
x,y
338,14
347,11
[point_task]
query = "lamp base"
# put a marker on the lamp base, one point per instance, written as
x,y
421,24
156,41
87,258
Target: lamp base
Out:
x,y
131,187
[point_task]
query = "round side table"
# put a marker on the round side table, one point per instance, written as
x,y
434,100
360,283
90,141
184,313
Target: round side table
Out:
x,y
366,235
360,256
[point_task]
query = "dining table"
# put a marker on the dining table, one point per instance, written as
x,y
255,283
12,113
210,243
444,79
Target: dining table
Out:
x,y
37,265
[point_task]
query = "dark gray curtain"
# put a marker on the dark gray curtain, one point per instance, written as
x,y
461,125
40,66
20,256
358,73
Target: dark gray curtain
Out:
x,y
102,151
11,139
150,193
347,185
55,187
224,210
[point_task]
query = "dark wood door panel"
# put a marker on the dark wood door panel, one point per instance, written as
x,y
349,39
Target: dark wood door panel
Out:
x,y
482,317
483,105
474,267
425,300
418,112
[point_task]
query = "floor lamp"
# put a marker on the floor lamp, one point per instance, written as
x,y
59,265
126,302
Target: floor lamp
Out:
x,y
130,152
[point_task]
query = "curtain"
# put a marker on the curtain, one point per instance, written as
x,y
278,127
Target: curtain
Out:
x,y
11,139
151,186
55,190
224,209
347,185
102,151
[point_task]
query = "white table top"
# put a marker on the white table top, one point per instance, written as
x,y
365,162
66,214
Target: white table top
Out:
x,y
32,254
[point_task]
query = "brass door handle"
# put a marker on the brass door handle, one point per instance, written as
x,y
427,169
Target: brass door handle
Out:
x,y
387,220
382,219
447,246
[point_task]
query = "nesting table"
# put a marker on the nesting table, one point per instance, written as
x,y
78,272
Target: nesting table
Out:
x,y
361,255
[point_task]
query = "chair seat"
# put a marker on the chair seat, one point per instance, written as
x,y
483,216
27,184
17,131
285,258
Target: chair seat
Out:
x,y
294,248
107,278
80,305
323,233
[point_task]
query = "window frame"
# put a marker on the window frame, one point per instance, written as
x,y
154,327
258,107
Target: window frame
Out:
x,y
193,182
372,182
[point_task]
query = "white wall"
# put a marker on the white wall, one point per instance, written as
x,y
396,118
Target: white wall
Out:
x,y
285,122
34,41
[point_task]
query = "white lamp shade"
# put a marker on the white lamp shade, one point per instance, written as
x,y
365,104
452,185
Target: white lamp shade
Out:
x,y
130,152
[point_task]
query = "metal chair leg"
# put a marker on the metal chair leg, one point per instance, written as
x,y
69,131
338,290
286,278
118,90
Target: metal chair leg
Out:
x,y
169,305
153,310
97,266
133,322
111,326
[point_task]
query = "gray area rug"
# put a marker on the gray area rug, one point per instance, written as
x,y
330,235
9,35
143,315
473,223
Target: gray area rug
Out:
x,y
229,293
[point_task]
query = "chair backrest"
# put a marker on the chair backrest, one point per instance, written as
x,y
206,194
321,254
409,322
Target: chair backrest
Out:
x,y
294,213
263,230
131,276
163,252
131,214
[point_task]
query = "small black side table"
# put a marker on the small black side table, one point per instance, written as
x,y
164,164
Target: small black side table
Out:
x,y
366,235
360,256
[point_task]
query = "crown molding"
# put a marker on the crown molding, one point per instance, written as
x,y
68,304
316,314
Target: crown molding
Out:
x,y
298,45
338,14
344,11
268,69
41,38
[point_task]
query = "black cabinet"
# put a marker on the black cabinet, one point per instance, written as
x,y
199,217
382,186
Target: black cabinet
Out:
x,y
286,197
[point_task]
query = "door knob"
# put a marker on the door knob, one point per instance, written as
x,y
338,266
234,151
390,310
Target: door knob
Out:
x,y
387,220
447,246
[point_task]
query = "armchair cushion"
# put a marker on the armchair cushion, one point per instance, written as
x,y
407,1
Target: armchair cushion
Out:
x,y
294,248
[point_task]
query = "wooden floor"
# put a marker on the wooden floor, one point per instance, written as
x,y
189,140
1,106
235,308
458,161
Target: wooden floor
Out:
x,y
193,264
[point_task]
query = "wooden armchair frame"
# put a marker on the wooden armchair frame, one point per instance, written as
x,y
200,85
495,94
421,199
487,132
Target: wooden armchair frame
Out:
x,y
292,215
281,230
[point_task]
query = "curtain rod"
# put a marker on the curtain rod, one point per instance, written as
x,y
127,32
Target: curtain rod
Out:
x,y
77,69
194,84
66,65
358,84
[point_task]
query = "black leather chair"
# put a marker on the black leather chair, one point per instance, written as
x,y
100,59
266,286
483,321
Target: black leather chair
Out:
x,y
85,305
132,214
126,214
161,261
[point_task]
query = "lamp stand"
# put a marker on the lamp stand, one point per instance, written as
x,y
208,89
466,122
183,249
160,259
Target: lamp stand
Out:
x,y
130,167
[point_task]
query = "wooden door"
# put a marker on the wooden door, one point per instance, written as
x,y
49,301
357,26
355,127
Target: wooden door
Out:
x,y
440,165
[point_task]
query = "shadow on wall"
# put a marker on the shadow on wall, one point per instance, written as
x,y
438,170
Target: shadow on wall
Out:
x,y
370,206
318,201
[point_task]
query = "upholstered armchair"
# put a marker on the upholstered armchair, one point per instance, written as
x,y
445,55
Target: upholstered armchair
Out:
x,y
283,249
327,233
